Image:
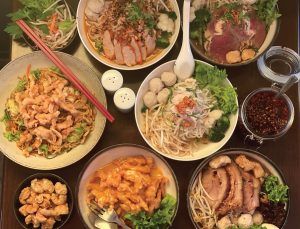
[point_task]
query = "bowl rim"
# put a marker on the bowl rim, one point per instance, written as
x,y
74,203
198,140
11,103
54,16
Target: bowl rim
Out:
x,y
105,105
122,145
243,63
234,151
125,67
48,176
167,155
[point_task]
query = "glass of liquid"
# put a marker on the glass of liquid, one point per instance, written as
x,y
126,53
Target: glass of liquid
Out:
x,y
279,64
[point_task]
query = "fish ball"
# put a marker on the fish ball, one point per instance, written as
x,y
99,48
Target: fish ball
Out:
x,y
245,221
163,95
150,99
224,223
156,85
168,78
257,218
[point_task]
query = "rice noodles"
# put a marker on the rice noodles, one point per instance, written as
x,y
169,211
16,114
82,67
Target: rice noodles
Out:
x,y
201,211
173,131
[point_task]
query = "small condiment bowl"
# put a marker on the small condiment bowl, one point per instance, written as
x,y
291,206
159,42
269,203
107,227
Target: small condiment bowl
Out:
x,y
250,133
26,183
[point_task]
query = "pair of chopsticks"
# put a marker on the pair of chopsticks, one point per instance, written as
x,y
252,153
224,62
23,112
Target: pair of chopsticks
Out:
x,y
67,71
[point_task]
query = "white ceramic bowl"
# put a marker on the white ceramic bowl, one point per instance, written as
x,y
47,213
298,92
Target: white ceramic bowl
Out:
x,y
83,36
105,157
203,150
267,163
9,79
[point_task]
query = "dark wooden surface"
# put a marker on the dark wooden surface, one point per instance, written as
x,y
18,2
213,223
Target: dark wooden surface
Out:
x,y
285,152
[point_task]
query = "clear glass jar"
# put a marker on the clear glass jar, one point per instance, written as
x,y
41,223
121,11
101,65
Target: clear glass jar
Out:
x,y
250,136
278,64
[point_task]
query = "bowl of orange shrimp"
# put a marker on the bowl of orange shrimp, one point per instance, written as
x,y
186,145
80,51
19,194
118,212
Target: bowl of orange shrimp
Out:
x,y
43,200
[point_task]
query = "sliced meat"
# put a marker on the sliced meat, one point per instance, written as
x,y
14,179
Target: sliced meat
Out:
x,y
143,50
221,44
251,189
216,183
234,199
260,32
118,52
137,51
129,55
108,46
150,43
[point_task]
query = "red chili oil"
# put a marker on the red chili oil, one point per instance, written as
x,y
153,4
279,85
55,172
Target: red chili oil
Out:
x,y
267,115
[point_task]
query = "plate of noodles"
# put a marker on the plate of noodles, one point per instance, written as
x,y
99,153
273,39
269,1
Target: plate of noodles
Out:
x,y
46,123
134,181
186,119
128,35
238,188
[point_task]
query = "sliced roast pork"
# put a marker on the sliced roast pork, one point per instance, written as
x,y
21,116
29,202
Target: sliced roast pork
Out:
x,y
143,50
108,46
234,199
129,55
150,43
118,52
137,51
251,191
216,183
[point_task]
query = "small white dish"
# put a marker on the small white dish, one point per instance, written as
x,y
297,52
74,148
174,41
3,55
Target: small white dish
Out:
x,y
203,150
124,99
112,80
105,157
9,79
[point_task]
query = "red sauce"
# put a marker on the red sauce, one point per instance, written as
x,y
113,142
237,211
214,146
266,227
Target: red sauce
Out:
x,y
266,115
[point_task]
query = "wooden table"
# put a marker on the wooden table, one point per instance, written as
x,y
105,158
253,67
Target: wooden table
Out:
x,y
285,152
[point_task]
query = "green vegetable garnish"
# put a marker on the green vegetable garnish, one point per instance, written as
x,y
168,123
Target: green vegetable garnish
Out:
x,y
31,11
6,117
66,25
144,108
163,40
36,74
275,191
56,70
134,12
11,136
161,218
44,29
171,14
44,148
223,124
78,132
198,25
267,11
99,45
21,85
215,135
212,78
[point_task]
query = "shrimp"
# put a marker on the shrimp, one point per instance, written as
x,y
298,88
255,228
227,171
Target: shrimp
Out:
x,y
41,218
36,186
49,223
47,185
23,210
58,199
32,208
62,209
25,193
60,188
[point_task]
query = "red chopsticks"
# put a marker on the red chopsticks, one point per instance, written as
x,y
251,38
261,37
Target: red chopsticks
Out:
x,y
67,71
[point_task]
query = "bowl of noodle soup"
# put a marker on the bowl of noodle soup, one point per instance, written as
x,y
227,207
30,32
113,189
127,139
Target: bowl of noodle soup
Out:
x,y
41,121
157,132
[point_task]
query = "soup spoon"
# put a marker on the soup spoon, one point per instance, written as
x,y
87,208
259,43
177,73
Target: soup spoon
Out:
x,y
185,64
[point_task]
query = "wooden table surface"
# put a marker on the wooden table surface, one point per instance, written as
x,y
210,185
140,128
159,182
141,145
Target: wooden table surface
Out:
x,y
285,152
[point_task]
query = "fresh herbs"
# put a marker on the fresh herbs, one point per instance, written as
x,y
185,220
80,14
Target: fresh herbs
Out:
x,y
6,117
267,11
66,25
12,136
134,14
21,86
161,218
198,25
163,40
99,45
275,191
36,74
44,148
31,11
212,78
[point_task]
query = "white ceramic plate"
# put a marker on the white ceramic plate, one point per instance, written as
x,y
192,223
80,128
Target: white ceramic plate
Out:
x,y
9,79
106,61
203,150
107,156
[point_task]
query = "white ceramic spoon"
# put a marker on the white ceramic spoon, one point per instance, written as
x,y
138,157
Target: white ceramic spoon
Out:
x,y
185,63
